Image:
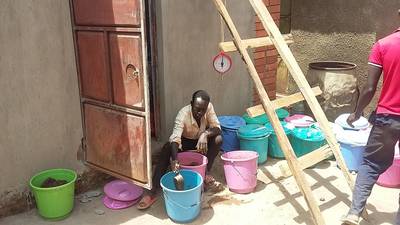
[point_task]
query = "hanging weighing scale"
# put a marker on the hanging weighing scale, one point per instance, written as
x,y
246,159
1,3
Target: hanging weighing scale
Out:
x,y
222,63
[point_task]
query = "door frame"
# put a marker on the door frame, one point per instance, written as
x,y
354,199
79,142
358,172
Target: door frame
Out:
x,y
152,53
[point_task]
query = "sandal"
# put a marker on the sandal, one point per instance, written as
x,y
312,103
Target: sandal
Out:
x,y
209,180
210,184
146,202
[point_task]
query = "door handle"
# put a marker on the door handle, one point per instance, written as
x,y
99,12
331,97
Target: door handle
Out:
x,y
131,72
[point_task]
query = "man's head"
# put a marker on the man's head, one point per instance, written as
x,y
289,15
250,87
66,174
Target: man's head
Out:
x,y
200,100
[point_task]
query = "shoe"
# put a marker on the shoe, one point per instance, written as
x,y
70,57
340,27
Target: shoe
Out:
x,y
146,202
350,219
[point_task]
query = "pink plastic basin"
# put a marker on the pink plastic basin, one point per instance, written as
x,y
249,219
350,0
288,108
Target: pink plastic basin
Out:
x,y
193,161
240,169
391,177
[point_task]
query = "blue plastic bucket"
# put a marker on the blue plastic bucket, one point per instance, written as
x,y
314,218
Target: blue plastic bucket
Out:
x,y
254,137
182,206
352,145
352,155
230,125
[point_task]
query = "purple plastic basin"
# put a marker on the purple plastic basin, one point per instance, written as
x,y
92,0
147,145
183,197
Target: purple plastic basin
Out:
x,y
122,191
115,204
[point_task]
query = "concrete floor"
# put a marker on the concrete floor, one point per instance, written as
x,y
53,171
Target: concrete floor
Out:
x,y
277,203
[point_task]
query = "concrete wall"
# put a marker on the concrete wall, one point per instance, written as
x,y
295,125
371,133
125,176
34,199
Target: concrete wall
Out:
x,y
188,37
341,30
39,105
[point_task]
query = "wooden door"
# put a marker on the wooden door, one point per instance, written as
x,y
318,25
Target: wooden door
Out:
x,y
110,47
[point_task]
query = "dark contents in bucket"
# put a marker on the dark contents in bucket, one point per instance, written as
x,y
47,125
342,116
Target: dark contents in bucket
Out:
x,y
50,182
191,164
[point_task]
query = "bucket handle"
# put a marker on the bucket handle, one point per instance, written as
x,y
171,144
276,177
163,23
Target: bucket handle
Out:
x,y
178,204
240,174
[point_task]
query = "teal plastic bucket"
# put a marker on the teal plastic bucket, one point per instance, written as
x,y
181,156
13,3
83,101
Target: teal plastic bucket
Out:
x,y
306,139
54,203
182,206
274,150
263,119
254,137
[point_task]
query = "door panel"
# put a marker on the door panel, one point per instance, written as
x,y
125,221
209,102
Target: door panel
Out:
x,y
116,141
107,12
92,64
127,70
115,103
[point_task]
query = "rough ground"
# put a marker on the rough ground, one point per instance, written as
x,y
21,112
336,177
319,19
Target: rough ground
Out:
x,y
276,203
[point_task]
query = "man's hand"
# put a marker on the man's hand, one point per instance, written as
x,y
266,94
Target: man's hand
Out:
x,y
352,118
175,166
202,143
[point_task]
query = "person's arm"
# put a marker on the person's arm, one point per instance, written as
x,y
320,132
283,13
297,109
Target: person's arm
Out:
x,y
212,132
367,93
213,123
174,150
174,153
213,129
175,138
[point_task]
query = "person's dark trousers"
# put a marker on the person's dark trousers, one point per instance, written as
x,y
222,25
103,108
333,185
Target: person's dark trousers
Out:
x,y
378,157
214,145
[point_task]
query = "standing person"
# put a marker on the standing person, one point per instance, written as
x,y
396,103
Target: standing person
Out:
x,y
379,152
196,127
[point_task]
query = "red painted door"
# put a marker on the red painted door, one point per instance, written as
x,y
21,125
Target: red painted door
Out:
x,y
110,46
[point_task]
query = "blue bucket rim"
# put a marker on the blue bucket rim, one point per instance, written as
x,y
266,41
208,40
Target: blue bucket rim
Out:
x,y
184,191
51,170
240,160
238,121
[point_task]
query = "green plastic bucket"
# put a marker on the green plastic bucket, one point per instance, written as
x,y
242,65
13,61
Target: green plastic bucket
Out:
x,y
306,139
254,137
54,203
263,119
274,150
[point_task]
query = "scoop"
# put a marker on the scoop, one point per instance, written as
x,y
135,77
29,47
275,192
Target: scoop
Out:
x,y
179,181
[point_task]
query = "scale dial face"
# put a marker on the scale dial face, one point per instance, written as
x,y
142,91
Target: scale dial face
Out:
x,y
222,63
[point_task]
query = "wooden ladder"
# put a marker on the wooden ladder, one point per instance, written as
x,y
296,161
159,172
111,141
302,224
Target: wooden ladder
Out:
x,y
294,165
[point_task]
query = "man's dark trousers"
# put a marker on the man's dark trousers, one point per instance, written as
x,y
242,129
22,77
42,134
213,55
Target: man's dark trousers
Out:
x,y
378,157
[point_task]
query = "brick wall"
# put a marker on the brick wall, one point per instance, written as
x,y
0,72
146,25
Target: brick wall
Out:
x,y
266,58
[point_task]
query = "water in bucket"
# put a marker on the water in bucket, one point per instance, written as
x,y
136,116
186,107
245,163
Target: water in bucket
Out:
x,y
182,206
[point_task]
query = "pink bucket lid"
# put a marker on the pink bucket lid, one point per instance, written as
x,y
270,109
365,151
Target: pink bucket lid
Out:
x,y
115,204
300,120
122,190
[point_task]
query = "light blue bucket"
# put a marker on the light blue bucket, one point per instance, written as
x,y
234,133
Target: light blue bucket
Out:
x,y
353,155
182,206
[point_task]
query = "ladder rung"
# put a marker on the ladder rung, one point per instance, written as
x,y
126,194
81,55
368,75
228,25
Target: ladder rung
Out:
x,y
307,160
229,46
281,102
